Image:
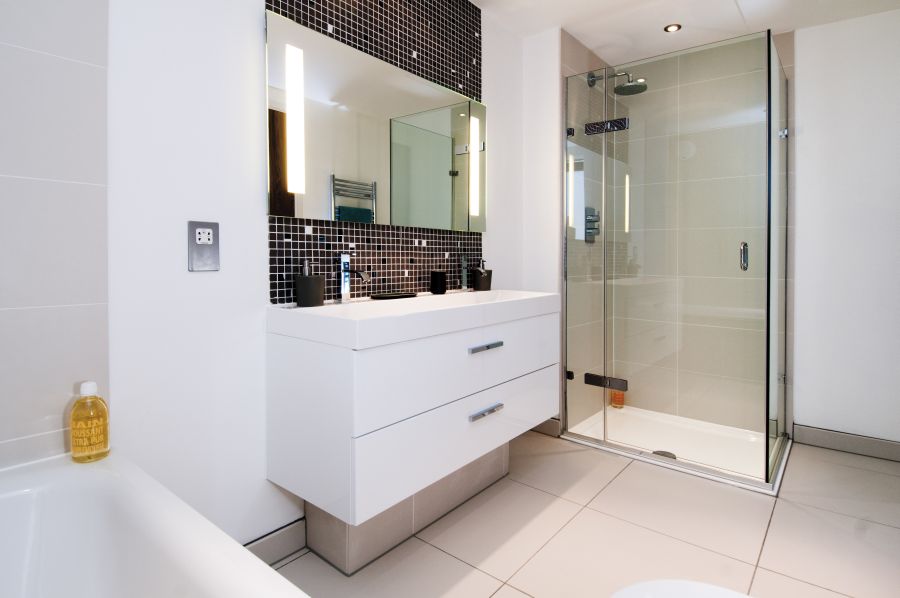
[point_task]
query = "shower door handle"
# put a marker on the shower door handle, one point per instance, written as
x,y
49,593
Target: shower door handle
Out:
x,y
744,255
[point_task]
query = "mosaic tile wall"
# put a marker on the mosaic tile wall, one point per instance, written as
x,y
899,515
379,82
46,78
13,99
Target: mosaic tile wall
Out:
x,y
399,258
438,40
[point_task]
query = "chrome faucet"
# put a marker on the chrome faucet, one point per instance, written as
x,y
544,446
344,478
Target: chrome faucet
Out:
x,y
345,274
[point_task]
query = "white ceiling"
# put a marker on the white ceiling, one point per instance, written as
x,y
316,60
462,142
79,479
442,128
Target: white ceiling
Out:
x,y
620,31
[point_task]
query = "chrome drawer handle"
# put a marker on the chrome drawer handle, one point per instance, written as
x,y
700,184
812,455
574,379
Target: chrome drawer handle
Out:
x,y
485,412
487,347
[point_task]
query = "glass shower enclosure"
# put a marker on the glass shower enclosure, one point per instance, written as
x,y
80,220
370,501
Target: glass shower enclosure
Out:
x,y
675,259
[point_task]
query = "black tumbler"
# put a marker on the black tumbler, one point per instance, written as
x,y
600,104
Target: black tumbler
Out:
x,y
438,282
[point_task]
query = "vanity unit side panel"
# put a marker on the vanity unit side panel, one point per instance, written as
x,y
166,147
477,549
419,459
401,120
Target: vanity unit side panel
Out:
x,y
309,419
394,463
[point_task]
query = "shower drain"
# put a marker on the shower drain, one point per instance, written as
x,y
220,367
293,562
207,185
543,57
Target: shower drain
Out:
x,y
665,454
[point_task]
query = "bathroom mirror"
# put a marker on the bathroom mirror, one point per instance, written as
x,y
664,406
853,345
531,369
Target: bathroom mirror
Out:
x,y
353,138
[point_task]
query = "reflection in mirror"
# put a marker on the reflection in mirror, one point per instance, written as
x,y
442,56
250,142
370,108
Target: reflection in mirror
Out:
x,y
356,139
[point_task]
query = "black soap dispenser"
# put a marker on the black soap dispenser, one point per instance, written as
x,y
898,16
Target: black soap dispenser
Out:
x,y
309,291
481,278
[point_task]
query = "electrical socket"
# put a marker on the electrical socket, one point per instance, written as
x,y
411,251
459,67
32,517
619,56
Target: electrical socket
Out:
x,y
203,246
204,236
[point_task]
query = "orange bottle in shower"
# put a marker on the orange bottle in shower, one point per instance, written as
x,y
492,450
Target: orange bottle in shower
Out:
x,y
617,398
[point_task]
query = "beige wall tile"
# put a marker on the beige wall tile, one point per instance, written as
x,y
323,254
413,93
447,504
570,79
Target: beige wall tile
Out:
x,y
724,401
735,101
646,160
48,27
52,243
650,252
723,60
576,57
728,202
727,352
721,153
715,252
45,353
784,45
644,298
585,346
651,206
644,341
649,387
728,302
53,117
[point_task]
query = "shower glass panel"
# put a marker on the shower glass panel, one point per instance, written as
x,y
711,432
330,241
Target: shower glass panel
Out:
x,y
669,297
778,191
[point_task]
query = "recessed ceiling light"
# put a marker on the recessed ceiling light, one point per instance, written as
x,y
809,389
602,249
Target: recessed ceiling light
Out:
x,y
672,28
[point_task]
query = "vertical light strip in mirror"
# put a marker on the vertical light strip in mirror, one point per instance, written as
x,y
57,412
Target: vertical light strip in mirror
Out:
x,y
295,124
627,203
474,166
570,191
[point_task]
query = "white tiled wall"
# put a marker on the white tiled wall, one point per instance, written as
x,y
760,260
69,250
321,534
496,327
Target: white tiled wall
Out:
x,y
53,280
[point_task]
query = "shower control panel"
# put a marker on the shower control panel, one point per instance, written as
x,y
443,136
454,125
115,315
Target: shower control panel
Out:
x,y
606,126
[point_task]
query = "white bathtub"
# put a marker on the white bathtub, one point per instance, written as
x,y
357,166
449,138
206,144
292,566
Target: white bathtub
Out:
x,y
108,530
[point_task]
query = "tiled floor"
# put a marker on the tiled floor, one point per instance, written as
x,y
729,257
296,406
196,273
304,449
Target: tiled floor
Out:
x,y
573,521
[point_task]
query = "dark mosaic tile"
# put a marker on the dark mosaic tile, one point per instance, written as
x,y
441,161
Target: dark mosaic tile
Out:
x,y
400,258
438,40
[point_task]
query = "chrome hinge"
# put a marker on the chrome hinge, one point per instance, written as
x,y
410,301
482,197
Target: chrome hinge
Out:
x,y
783,133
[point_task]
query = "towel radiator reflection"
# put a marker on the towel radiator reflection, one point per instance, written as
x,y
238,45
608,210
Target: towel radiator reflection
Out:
x,y
360,192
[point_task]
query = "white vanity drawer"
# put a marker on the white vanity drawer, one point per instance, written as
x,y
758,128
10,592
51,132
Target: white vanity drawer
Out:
x,y
391,464
398,381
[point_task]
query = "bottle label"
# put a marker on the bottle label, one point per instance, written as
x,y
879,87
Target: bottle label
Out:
x,y
89,435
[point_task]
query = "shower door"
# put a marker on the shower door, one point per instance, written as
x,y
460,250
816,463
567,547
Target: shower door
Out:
x,y
667,260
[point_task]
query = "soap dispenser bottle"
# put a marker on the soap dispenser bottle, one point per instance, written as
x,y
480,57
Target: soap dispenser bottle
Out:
x,y
89,425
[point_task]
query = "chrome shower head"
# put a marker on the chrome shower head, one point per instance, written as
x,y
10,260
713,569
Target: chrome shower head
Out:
x,y
631,87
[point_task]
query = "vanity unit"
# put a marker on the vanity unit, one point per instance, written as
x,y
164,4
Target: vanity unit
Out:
x,y
370,402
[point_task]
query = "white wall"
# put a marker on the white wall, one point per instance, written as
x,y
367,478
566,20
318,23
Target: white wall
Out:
x,y
53,292
502,94
187,140
542,164
847,221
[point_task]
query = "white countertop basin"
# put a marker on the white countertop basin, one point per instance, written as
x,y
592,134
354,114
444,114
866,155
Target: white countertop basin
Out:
x,y
367,323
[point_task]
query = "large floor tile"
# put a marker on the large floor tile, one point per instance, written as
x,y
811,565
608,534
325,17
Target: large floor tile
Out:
x,y
850,484
595,555
563,468
767,584
509,592
833,551
501,528
412,569
728,520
